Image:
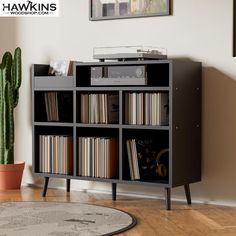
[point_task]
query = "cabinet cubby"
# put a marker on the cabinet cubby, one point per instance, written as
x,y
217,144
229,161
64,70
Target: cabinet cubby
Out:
x,y
83,73
101,107
148,145
53,131
146,108
97,149
153,153
43,81
53,106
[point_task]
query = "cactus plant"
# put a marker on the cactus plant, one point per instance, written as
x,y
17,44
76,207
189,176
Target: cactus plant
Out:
x,y
10,81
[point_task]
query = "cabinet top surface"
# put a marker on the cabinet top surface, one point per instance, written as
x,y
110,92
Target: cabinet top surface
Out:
x,y
128,62
135,62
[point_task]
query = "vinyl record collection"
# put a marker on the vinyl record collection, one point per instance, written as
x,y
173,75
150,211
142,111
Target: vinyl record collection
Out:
x,y
98,157
58,106
51,103
146,108
146,160
99,108
56,154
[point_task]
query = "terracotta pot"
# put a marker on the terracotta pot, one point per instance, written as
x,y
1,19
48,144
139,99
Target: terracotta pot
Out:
x,y
11,175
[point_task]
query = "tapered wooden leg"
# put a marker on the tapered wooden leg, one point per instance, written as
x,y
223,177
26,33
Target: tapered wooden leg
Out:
x,y
187,193
67,185
45,188
114,191
168,203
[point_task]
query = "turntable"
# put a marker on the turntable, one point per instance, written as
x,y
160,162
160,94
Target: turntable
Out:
x,y
124,53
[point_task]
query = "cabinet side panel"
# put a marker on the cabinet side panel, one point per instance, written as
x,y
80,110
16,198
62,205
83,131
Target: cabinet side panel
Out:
x,y
32,117
186,117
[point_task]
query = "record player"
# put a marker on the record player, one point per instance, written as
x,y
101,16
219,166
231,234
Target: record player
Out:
x,y
124,53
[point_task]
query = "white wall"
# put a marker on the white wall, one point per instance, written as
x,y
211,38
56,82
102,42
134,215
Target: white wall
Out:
x,y
198,29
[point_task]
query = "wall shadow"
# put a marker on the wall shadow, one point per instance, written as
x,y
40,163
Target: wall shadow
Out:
x,y
218,134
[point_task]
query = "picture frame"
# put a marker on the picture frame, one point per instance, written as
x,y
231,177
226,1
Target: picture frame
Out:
x,y
120,9
234,28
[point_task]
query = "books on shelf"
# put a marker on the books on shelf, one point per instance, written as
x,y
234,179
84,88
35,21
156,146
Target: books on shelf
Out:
x,y
56,154
51,104
133,159
58,106
144,159
147,108
98,157
102,108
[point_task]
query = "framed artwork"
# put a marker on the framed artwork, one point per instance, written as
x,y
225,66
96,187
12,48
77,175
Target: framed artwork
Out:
x,y
234,29
118,9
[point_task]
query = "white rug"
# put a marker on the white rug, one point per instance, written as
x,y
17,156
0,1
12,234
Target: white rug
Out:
x,y
61,219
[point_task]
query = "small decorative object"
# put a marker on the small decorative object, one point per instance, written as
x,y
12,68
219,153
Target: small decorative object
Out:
x,y
161,168
10,81
117,9
153,160
59,68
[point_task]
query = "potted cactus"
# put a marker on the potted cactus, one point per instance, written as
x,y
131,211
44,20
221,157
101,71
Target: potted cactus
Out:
x,y
10,81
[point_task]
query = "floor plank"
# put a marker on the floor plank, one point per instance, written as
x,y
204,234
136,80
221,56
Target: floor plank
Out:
x,y
153,219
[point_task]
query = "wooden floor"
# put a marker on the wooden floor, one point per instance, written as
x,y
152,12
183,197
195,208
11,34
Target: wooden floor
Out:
x,y
152,217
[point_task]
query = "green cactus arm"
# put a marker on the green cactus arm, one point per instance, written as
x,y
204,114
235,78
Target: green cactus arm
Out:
x,y
16,69
6,66
6,57
9,116
2,135
5,73
9,120
16,75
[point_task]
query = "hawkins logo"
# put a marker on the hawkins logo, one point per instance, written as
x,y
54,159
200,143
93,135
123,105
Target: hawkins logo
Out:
x,y
29,8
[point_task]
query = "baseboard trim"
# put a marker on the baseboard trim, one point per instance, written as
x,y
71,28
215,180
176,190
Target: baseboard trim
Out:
x,y
138,195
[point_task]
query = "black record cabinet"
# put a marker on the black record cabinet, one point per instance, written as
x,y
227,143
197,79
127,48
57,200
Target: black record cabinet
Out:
x,y
130,122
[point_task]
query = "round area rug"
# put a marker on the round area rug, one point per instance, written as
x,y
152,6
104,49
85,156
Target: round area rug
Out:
x,y
61,219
